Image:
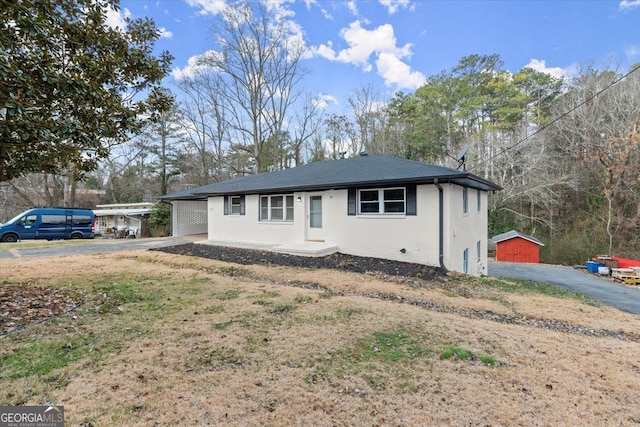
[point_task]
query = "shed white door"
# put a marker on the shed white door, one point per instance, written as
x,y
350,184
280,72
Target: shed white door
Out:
x,y
314,218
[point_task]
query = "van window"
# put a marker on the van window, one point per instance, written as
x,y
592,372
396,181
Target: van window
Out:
x,y
28,220
53,219
82,220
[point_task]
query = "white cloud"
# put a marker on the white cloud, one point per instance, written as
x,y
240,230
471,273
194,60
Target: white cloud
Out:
x,y
541,66
381,43
393,5
353,8
325,51
209,7
326,14
196,65
116,18
629,4
632,51
165,34
363,43
396,72
279,7
322,101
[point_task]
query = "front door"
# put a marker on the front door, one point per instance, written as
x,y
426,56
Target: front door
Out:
x,y
314,219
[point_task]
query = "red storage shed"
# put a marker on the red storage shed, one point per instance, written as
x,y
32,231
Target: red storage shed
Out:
x,y
513,246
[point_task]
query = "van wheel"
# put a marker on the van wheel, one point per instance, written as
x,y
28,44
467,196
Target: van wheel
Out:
x,y
10,238
76,236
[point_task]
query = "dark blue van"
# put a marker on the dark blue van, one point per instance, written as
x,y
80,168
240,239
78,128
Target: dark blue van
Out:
x,y
49,224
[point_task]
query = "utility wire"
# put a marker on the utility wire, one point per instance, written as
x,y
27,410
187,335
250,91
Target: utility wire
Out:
x,y
560,117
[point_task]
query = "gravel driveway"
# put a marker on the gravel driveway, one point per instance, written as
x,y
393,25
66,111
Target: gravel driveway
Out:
x,y
623,297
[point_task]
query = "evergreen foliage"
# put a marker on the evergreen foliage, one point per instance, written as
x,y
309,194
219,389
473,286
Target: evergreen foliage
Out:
x,y
71,86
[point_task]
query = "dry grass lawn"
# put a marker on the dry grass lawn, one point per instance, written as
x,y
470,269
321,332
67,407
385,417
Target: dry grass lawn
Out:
x,y
170,340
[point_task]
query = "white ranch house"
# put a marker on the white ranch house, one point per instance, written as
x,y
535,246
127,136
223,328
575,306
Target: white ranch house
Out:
x,y
377,206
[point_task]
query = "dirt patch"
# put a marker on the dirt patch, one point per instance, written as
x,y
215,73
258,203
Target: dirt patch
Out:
x,y
25,303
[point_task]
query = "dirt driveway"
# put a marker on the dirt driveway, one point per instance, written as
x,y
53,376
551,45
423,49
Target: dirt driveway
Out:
x,y
617,295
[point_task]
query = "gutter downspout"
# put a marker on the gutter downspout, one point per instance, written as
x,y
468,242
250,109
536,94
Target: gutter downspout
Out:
x,y
441,224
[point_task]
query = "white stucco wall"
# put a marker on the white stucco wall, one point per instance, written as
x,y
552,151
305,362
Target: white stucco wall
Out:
x,y
381,236
463,230
248,227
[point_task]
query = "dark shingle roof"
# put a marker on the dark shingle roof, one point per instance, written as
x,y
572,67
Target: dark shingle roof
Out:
x,y
363,171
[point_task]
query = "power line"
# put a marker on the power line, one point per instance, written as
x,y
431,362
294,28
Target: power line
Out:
x,y
562,116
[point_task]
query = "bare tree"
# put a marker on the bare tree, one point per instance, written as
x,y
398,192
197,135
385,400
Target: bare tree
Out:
x,y
305,125
600,136
339,132
365,104
205,123
126,172
260,70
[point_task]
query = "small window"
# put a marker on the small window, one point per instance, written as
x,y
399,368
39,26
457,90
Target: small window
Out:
x,y
479,200
465,200
369,201
234,205
465,261
394,200
276,208
478,249
382,201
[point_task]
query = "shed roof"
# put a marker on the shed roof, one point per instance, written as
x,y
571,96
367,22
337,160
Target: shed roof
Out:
x,y
360,171
513,234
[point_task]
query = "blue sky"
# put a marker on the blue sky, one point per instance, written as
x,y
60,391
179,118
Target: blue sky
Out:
x,y
395,45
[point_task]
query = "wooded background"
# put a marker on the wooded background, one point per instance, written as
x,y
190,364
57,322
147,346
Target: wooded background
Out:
x,y
565,151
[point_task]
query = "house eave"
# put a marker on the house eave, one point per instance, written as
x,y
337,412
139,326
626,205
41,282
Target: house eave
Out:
x,y
465,180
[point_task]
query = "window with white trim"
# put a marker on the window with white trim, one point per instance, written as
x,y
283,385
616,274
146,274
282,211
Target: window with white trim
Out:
x,y
235,204
479,200
382,201
276,208
478,250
